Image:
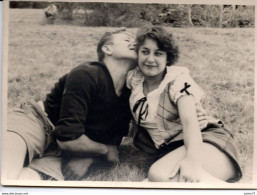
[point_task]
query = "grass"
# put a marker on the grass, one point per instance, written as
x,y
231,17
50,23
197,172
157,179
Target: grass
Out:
x,y
220,60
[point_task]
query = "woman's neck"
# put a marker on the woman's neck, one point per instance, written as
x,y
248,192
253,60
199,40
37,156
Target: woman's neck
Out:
x,y
151,83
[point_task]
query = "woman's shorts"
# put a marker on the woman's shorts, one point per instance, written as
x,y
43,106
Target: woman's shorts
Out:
x,y
221,138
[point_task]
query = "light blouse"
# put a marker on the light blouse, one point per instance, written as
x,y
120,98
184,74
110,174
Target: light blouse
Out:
x,y
181,84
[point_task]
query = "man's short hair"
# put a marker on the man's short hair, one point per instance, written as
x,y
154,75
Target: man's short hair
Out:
x,y
107,39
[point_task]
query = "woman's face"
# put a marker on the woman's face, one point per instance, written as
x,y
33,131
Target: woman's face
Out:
x,y
151,60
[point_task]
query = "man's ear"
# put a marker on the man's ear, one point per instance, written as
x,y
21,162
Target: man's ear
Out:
x,y
107,49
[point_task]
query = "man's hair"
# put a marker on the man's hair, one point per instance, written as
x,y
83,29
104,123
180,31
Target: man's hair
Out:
x,y
107,39
164,41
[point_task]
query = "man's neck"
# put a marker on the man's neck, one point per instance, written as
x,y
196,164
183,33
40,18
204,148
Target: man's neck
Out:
x,y
118,70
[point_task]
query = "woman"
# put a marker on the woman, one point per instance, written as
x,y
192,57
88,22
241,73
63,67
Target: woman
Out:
x,y
167,108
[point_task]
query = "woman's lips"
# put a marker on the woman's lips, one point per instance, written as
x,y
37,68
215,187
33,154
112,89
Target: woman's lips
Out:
x,y
150,65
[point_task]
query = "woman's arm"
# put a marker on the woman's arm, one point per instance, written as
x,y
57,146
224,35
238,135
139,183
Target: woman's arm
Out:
x,y
190,167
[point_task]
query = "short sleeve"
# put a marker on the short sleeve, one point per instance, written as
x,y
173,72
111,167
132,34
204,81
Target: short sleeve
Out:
x,y
129,79
134,77
183,85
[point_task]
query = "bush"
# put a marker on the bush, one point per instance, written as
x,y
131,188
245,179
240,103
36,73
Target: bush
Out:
x,y
243,17
28,4
175,15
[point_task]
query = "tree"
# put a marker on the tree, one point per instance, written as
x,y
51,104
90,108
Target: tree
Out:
x,y
221,16
189,11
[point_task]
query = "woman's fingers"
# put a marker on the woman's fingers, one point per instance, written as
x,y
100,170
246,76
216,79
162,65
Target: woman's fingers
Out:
x,y
174,172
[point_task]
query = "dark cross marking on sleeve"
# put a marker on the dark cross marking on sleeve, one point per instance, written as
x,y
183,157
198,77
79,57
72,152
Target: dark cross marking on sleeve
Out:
x,y
185,89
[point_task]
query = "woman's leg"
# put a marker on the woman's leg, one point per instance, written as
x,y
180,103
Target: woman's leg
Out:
x,y
216,165
15,151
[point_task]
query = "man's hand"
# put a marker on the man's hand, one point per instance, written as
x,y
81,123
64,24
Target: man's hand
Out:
x,y
76,168
113,154
83,146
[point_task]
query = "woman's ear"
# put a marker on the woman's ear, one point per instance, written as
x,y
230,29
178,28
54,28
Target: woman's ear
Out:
x,y
107,49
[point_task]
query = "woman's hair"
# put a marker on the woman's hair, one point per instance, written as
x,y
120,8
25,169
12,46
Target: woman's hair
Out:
x,y
164,41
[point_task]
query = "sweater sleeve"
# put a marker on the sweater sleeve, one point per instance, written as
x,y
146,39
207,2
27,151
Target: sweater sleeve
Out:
x,y
77,95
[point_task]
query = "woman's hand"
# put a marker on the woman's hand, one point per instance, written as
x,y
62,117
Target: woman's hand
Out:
x,y
190,170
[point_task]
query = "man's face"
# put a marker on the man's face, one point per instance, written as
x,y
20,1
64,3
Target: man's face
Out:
x,y
123,47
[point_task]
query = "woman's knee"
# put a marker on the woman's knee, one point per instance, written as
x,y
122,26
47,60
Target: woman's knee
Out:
x,y
165,169
157,174
218,164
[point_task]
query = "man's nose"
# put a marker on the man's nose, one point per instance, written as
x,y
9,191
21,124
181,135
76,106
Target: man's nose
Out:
x,y
133,44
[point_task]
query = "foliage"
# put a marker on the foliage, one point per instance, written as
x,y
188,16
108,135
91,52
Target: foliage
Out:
x,y
28,4
225,16
242,17
102,14
134,15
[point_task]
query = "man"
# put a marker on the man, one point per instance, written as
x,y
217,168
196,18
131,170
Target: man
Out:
x,y
87,116
50,13
51,10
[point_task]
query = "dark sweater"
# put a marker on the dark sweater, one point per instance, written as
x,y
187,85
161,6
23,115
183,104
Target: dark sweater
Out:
x,y
84,102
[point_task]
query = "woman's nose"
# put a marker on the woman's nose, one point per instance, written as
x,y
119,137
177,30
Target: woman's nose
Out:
x,y
150,58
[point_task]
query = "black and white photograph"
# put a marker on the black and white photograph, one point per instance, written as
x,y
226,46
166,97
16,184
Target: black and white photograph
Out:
x,y
129,94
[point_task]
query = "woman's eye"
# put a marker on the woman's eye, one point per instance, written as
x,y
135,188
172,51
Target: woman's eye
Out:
x,y
158,53
144,52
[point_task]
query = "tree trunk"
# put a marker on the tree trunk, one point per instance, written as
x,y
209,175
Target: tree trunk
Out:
x,y
189,11
205,13
233,12
221,16
233,7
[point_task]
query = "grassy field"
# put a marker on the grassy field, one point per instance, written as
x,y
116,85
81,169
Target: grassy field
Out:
x,y
220,60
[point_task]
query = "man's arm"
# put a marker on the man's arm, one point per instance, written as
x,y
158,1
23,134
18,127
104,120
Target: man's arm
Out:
x,y
83,146
83,149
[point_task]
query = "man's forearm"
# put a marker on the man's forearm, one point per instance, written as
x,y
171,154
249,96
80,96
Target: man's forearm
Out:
x,y
83,146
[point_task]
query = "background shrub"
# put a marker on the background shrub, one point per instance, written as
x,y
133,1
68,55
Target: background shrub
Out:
x,y
134,15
